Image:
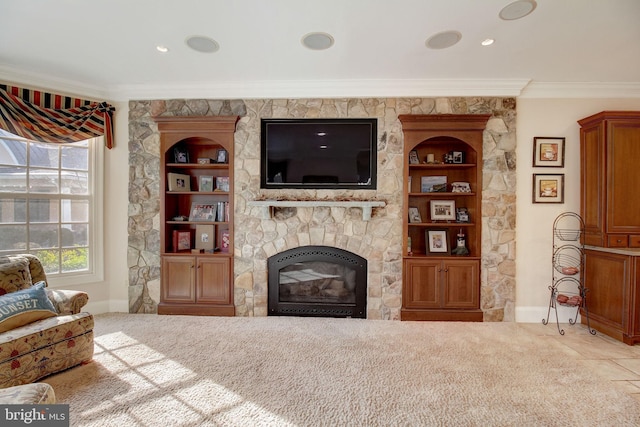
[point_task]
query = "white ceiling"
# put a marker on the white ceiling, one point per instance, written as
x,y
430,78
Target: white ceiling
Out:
x,y
107,48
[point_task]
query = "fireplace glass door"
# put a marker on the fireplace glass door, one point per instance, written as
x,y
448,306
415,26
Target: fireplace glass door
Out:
x,y
317,281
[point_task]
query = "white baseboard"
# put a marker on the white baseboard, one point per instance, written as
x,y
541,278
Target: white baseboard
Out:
x,y
536,314
111,306
523,314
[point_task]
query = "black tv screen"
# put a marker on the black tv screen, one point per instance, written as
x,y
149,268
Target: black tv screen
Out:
x,y
319,153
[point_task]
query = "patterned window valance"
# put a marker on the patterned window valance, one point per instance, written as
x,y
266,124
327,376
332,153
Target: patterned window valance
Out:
x,y
49,117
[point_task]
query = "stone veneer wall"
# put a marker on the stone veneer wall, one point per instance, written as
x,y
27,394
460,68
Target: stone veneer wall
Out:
x,y
378,240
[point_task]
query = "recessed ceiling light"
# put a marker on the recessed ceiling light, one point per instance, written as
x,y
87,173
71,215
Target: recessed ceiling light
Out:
x,y
317,41
443,40
518,9
487,42
202,44
162,49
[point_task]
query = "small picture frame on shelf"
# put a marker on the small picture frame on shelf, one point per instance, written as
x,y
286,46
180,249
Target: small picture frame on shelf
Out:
x,y
457,157
433,184
414,215
205,183
462,214
181,240
437,242
443,210
548,152
181,155
548,188
222,183
225,240
205,236
221,157
203,212
178,182
413,157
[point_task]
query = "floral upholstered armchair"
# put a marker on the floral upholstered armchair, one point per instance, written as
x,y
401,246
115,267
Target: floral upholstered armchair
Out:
x,y
42,330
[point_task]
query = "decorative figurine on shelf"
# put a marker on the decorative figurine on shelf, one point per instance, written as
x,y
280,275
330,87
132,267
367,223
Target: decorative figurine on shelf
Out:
x,y
461,245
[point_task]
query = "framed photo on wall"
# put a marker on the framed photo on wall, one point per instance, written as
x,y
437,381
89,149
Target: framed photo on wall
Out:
x,y
548,188
437,242
548,152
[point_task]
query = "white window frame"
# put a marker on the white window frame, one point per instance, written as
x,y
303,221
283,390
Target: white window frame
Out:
x,y
95,270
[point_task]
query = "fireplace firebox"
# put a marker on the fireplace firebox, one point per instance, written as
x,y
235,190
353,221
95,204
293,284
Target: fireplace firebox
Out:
x,y
318,281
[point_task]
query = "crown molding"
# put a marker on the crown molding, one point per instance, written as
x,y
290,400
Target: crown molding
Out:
x,y
325,89
380,88
581,90
46,82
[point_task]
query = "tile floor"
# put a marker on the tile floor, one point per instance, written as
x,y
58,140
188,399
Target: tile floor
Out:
x,y
606,356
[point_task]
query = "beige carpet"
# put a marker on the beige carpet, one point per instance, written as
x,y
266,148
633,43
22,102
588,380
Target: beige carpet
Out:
x,y
153,370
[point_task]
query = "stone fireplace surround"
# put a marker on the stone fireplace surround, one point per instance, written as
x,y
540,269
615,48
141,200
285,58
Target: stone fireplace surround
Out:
x,y
377,239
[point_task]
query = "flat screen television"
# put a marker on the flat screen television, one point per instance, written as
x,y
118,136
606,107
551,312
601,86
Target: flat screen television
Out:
x,y
319,153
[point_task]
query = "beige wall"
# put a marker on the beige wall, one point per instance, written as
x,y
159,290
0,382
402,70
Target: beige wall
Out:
x,y
111,294
536,117
547,117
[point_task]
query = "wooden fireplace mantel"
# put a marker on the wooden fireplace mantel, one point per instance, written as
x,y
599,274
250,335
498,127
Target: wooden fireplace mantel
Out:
x,y
365,205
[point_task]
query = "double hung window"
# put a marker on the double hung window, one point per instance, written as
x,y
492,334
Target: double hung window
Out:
x,y
50,205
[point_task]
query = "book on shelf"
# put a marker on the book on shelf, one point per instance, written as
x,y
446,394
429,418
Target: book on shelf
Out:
x,y
222,211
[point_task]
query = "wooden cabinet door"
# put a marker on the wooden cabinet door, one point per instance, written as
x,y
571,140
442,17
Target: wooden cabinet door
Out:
x,y
178,279
422,283
460,283
450,284
623,177
214,278
592,183
607,281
